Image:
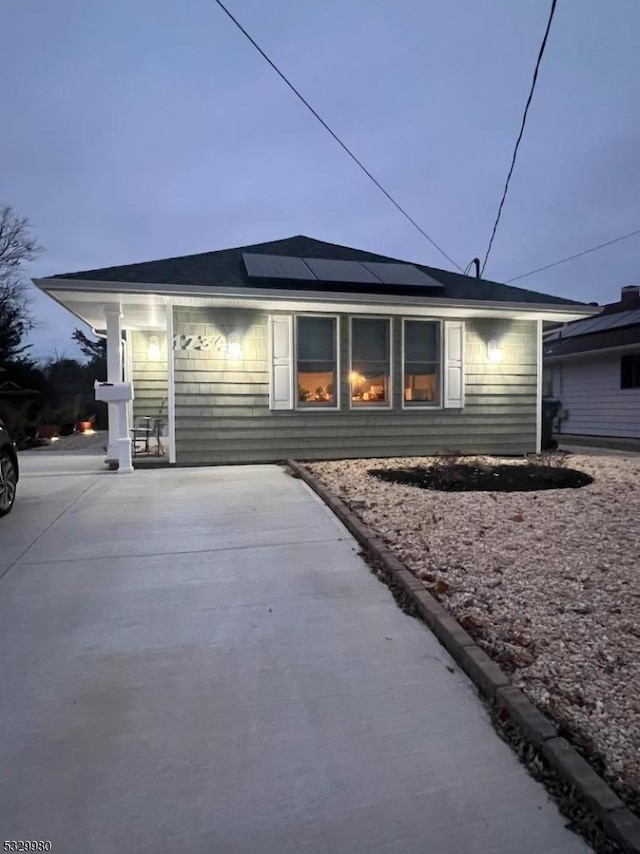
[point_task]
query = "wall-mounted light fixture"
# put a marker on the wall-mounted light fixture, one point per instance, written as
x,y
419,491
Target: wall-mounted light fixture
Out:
x,y
494,351
234,348
153,348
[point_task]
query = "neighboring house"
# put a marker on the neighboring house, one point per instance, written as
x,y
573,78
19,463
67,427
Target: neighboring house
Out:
x,y
301,348
13,403
11,390
593,368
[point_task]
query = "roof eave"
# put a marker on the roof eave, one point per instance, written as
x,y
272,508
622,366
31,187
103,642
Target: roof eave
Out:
x,y
596,351
550,311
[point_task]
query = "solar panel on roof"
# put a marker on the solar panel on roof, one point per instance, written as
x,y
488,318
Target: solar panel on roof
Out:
x,y
580,328
276,267
634,317
610,321
602,324
400,274
594,324
553,336
330,270
341,271
591,324
626,318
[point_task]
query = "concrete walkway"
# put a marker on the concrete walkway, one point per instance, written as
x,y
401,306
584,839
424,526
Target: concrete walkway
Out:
x,y
197,660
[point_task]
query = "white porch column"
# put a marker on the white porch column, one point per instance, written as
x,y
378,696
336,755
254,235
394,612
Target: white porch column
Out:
x,y
128,369
171,385
113,315
539,368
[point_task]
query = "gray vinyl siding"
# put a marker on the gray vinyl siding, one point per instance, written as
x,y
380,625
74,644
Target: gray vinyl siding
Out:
x,y
223,415
149,377
589,389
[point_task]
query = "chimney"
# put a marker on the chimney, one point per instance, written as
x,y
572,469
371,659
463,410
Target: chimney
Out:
x,y
630,296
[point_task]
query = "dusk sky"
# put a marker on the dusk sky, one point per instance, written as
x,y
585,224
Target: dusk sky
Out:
x,y
140,129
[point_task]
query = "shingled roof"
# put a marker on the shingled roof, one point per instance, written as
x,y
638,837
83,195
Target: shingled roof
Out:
x,y
617,325
225,268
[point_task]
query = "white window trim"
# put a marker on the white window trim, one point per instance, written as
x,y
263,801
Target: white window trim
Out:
x,y
366,406
428,406
310,407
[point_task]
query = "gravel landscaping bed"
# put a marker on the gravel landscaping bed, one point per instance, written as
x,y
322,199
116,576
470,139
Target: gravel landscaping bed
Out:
x,y
547,582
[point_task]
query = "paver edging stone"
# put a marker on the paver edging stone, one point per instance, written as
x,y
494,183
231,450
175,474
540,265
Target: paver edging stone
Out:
x,y
616,819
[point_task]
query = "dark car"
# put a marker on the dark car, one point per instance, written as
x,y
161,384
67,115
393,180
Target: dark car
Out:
x,y
9,470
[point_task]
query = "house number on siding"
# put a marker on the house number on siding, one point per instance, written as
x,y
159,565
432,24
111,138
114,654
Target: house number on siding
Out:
x,y
200,342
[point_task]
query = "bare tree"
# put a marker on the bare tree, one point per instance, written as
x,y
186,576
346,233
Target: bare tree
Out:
x,y
95,351
17,245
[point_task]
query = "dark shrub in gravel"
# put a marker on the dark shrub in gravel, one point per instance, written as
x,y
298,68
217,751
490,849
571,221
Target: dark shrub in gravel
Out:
x,y
467,477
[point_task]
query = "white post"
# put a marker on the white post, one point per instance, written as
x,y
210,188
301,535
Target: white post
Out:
x,y
125,465
113,315
128,370
539,369
171,385
119,394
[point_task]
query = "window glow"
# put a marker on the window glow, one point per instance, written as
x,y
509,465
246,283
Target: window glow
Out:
x,y
421,353
370,358
316,359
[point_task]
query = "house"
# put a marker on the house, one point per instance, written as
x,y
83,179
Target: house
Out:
x,y
301,348
9,389
593,368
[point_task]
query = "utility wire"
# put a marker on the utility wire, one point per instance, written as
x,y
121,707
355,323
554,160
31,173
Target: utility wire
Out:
x,y
577,255
524,121
334,135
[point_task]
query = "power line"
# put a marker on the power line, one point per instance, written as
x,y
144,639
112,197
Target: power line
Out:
x,y
524,121
334,135
577,255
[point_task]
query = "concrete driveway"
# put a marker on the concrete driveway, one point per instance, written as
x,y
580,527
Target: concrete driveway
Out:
x,y
197,660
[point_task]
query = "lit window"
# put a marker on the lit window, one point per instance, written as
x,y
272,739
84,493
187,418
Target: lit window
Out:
x,y
370,361
630,371
316,361
421,363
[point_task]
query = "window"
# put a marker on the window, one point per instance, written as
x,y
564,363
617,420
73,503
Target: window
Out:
x,y
316,362
370,361
421,357
630,371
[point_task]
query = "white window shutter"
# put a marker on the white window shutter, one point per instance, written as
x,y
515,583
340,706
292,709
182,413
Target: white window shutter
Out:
x,y
281,390
454,364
